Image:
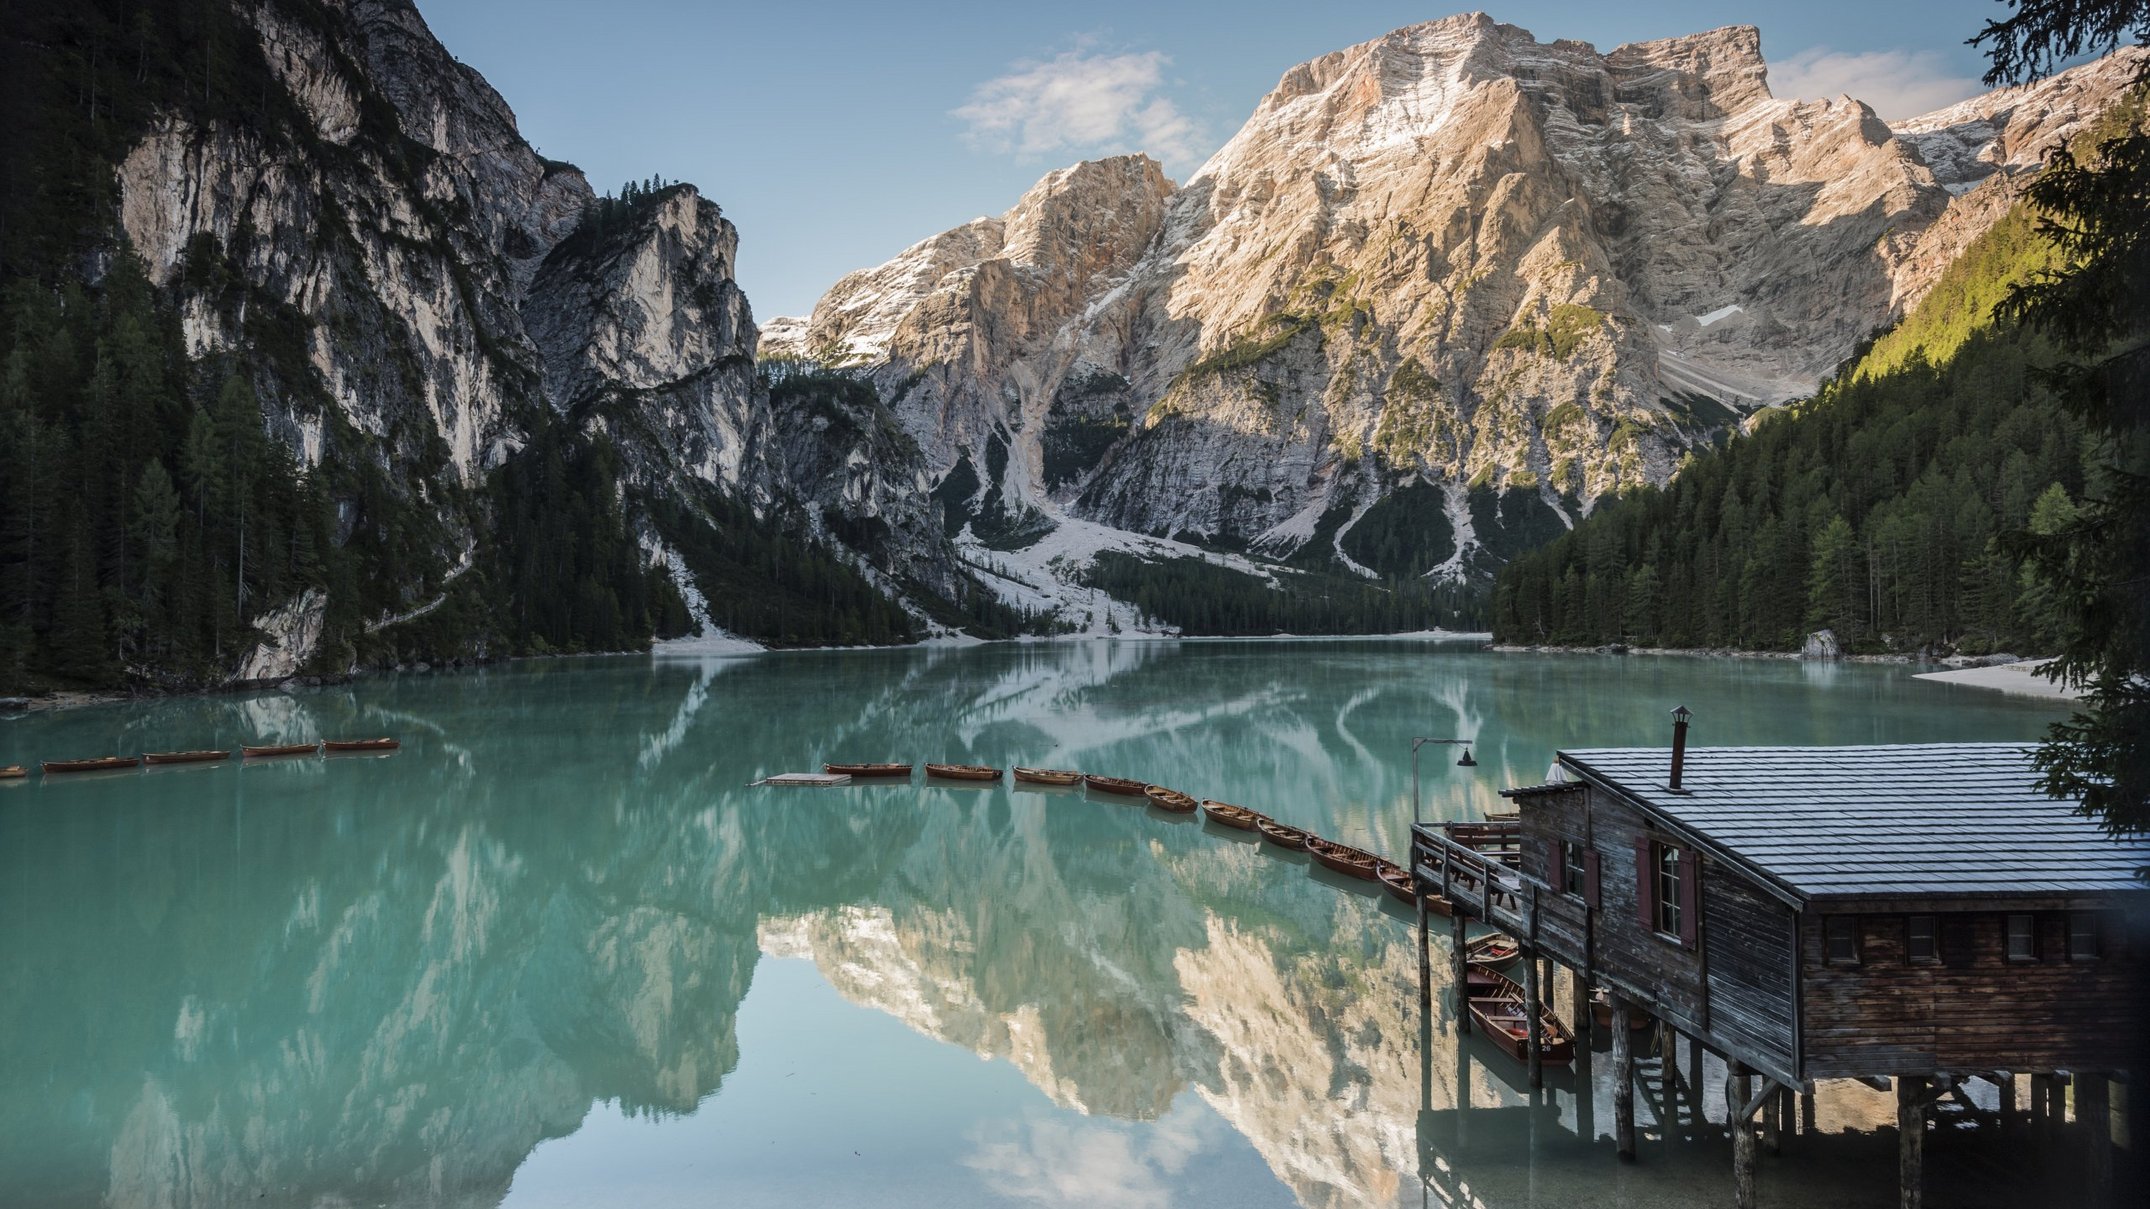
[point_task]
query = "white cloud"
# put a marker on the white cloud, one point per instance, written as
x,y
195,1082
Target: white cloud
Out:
x,y
1897,83
1082,103
1049,1160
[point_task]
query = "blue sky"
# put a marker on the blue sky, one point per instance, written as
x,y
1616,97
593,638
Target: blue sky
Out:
x,y
837,133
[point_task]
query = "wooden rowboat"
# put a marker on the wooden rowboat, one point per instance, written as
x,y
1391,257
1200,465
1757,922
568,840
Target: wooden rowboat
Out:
x,y
362,744
1231,816
1349,861
184,757
13,772
1281,835
1047,776
280,749
1480,981
1503,1017
1169,799
99,764
1492,950
1119,785
867,770
963,772
805,780
1399,883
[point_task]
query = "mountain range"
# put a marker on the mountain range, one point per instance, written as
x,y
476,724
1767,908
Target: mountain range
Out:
x,y
1442,293
1453,283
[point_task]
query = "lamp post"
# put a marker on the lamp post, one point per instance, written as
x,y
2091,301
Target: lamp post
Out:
x,y
1465,762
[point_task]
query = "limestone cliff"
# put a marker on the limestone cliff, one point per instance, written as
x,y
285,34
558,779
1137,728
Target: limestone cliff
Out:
x,y
1454,282
413,290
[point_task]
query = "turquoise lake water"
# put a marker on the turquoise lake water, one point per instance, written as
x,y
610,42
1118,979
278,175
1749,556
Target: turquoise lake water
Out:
x,y
556,952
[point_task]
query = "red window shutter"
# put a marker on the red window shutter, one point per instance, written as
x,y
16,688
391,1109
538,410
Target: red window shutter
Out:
x,y
1646,882
1690,897
1590,879
1557,872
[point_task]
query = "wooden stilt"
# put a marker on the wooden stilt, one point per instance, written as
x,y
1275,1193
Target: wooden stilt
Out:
x,y
1533,1004
1694,1072
1806,1112
1463,1092
1461,959
1580,1017
1910,1141
1773,1124
1738,1092
2093,1107
2004,1082
1425,961
1623,1060
2041,1114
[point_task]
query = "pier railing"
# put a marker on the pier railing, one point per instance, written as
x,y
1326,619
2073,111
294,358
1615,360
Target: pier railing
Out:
x,y
1477,868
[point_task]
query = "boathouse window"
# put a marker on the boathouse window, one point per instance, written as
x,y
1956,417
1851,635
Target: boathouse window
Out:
x,y
1840,940
1572,877
2082,936
1920,943
1959,941
2022,937
1666,881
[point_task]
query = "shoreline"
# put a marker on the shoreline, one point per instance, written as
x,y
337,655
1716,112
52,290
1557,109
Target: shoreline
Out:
x,y
711,647
1510,648
2015,678
2018,679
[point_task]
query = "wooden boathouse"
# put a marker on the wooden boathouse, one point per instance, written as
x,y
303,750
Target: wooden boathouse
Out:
x,y
1920,915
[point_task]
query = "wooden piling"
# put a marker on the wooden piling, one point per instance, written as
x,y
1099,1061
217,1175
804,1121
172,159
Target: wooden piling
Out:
x,y
1910,1141
1460,958
2041,1121
1773,1123
1580,1017
1533,1006
1738,1094
1623,1059
1425,960
2093,1107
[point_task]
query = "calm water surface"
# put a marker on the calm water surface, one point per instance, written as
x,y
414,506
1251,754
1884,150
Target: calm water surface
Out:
x,y
555,952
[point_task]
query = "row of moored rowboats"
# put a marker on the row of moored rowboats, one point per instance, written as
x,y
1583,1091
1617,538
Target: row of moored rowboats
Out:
x,y
1496,1001
1343,858
210,756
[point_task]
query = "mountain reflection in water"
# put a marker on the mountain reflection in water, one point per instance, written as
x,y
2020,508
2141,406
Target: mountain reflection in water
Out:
x,y
388,981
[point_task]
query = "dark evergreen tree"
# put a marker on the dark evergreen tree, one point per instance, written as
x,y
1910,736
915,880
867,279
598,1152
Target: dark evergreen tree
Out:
x,y
2095,307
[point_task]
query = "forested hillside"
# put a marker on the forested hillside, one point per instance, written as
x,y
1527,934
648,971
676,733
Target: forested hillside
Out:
x,y
186,470
1201,597
1881,509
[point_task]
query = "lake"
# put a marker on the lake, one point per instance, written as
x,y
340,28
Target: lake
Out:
x,y
556,951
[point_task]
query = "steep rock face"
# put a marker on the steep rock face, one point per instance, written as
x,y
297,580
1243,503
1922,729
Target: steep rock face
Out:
x,y
412,287
1521,274
646,326
966,331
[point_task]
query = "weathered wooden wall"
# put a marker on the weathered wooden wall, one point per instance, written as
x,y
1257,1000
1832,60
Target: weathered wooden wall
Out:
x,y
1751,942
1651,967
1889,1016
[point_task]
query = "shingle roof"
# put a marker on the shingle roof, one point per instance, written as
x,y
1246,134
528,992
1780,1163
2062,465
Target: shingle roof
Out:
x,y
1940,818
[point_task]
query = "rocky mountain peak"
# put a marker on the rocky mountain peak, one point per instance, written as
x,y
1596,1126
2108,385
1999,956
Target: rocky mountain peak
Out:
x,y
1450,285
1085,219
1717,72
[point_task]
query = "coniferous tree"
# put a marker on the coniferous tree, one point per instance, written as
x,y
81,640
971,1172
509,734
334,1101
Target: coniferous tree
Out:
x,y
2096,309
